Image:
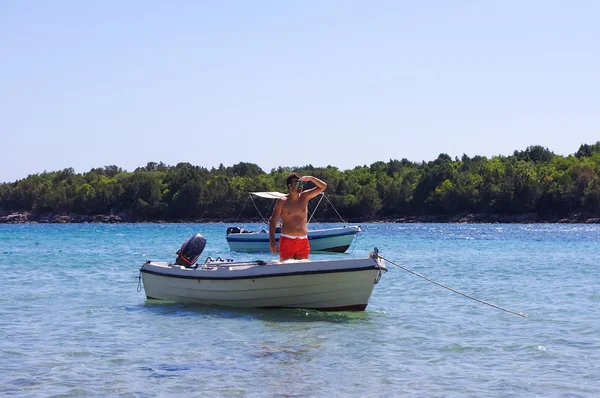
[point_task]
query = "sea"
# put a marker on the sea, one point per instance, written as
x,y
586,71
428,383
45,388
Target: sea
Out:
x,y
74,320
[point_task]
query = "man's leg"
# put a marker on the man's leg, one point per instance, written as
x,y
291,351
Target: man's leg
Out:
x,y
286,248
302,249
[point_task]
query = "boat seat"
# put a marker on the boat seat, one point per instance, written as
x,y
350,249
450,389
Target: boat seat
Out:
x,y
292,261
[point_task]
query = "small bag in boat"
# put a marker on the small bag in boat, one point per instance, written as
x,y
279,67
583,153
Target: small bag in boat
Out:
x,y
190,250
236,230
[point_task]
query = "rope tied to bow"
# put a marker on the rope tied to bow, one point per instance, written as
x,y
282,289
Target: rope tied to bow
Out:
x,y
451,289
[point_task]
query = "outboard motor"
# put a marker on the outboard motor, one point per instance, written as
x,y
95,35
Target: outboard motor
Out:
x,y
233,230
236,230
190,250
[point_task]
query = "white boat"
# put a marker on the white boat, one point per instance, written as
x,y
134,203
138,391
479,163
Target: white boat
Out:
x,y
337,239
327,285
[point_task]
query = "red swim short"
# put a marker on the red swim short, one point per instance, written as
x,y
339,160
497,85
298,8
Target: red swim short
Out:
x,y
296,248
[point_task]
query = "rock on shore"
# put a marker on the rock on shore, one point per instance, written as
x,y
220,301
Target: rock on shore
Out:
x,y
468,218
25,218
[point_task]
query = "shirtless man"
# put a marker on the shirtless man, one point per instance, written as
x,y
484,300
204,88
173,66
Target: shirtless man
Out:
x,y
293,211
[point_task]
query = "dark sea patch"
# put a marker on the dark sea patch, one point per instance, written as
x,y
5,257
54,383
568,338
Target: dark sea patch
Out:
x,y
74,322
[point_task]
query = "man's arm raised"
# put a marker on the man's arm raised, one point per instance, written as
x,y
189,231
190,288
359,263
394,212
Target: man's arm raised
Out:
x,y
319,186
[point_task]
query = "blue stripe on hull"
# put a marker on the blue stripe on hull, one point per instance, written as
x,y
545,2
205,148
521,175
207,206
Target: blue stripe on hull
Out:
x,y
369,268
235,238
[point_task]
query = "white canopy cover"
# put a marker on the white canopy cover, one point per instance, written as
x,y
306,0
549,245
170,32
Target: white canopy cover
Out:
x,y
268,195
271,195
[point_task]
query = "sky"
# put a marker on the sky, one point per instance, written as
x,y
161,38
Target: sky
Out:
x,y
87,84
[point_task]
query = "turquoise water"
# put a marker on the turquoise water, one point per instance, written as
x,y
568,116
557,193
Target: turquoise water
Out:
x,y
72,322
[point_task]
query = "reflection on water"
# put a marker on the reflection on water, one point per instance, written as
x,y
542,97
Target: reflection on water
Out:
x,y
280,315
73,323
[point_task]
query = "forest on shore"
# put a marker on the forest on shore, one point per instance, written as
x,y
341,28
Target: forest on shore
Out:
x,y
532,185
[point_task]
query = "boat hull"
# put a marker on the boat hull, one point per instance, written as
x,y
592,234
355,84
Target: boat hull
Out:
x,y
335,240
340,285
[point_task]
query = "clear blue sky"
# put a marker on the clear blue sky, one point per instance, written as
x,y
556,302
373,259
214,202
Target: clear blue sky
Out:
x,y
86,84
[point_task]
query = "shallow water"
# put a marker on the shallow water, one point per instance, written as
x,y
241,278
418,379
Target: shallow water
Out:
x,y
72,322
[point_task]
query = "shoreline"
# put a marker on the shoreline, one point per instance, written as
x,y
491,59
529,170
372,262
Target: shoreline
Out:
x,y
465,218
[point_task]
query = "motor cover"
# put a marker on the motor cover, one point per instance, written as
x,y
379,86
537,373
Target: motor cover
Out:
x,y
236,230
190,250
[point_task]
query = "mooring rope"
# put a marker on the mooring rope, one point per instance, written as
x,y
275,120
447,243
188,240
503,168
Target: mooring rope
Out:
x,y
333,207
258,211
315,210
449,288
354,240
243,207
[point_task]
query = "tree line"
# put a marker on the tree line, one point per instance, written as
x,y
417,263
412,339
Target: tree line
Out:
x,y
534,180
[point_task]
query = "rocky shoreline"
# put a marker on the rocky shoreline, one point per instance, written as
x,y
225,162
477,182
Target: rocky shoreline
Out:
x,y
479,218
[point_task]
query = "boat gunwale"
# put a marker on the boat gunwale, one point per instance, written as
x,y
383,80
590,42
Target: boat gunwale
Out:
x,y
241,237
261,276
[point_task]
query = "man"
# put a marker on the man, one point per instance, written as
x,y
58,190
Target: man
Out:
x,y
293,211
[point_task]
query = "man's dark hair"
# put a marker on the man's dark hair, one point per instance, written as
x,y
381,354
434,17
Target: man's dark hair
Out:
x,y
292,177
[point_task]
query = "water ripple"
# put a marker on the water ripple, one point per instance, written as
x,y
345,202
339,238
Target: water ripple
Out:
x,y
72,321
